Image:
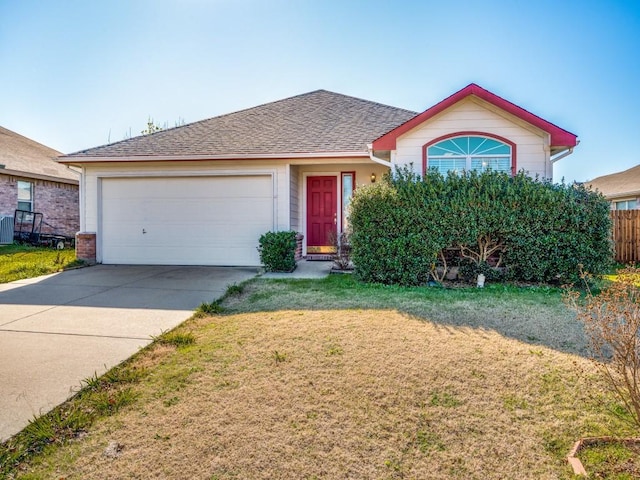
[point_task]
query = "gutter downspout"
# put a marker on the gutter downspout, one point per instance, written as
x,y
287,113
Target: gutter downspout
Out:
x,y
376,159
561,155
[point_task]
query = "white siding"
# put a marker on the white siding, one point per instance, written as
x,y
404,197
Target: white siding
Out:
x,y
478,116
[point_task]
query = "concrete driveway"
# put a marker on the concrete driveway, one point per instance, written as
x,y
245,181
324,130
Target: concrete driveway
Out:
x,y
59,329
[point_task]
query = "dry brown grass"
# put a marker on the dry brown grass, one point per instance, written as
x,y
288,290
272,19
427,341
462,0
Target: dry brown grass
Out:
x,y
361,394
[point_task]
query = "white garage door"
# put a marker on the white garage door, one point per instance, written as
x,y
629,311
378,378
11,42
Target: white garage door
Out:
x,y
185,220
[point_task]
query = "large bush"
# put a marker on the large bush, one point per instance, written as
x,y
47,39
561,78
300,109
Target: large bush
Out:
x,y
406,227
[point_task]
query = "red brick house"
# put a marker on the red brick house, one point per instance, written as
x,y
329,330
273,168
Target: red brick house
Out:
x,y
32,179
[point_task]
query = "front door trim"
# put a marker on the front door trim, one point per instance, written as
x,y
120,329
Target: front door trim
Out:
x,y
305,176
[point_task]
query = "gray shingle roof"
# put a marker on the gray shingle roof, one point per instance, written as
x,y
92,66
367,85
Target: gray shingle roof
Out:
x,y
314,122
22,156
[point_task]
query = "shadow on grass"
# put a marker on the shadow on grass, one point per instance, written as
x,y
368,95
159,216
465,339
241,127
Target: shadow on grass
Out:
x,y
535,315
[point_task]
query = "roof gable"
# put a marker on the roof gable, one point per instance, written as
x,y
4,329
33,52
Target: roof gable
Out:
x,y
559,136
317,122
22,156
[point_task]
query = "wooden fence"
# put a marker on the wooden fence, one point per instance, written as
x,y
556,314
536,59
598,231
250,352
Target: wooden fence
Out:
x,y
626,235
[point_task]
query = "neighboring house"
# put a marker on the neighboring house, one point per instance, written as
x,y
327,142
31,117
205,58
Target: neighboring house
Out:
x,y
622,188
203,193
32,179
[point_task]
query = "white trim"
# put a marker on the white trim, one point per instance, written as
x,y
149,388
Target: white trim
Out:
x,y
305,175
237,156
561,154
376,159
37,176
83,201
184,173
99,202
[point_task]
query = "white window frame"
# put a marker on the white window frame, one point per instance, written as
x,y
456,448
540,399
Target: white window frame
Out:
x,y
22,200
470,156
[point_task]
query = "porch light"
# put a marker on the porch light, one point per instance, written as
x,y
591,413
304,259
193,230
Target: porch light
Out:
x,y
373,178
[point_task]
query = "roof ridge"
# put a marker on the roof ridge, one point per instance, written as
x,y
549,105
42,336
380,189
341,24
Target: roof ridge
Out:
x,y
163,132
614,174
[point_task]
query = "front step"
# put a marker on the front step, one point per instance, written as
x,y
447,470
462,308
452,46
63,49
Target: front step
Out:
x,y
318,257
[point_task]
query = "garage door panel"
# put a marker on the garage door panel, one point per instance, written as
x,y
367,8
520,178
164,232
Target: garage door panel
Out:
x,y
185,221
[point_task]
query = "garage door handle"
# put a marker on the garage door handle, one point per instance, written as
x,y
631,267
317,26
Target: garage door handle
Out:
x,y
144,231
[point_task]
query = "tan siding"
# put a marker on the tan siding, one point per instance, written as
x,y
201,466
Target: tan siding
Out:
x,y
471,115
294,194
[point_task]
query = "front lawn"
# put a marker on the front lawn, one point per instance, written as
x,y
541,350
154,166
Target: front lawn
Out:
x,y
335,379
22,261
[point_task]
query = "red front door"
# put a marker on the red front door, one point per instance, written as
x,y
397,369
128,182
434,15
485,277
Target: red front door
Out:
x,y
322,213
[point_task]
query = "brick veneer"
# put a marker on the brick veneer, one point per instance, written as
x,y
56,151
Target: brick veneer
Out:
x,y
86,246
57,201
299,238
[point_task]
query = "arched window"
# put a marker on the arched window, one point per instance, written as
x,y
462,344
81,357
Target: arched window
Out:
x,y
470,152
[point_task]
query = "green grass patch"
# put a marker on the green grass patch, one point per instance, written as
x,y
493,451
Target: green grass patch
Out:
x,y
176,338
611,460
18,262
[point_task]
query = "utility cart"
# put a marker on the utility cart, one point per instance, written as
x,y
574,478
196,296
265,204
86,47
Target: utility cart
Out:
x,y
27,228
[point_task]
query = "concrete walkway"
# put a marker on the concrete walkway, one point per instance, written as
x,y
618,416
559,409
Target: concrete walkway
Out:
x,y
305,269
59,329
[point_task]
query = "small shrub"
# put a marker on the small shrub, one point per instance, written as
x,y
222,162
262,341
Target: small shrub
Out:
x,y
234,289
213,308
612,324
278,251
342,257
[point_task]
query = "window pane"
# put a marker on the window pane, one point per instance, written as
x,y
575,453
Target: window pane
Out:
x,y
497,164
347,192
626,205
454,146
470,153
24,206
24,191
445,165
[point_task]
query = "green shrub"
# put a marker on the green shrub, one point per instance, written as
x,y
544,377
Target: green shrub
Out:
x,y
405,228
277,251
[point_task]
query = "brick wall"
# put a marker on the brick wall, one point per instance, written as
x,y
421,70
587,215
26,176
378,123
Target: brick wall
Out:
x,y
8,195
58,202
86,246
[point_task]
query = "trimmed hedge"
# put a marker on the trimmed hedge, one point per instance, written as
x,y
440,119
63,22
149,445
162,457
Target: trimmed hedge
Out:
x,y
405,226
278,251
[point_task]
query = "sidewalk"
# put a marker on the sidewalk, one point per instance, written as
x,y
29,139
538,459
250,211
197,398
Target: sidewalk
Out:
x,y
305,269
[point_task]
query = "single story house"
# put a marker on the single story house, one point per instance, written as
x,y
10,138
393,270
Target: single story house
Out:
x,y
31,179
203,193
621,188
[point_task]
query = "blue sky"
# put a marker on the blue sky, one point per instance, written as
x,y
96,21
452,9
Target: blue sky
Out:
x,y
77,74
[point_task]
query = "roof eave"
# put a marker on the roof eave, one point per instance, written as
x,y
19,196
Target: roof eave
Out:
x,y
38,176
559,136
81,159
